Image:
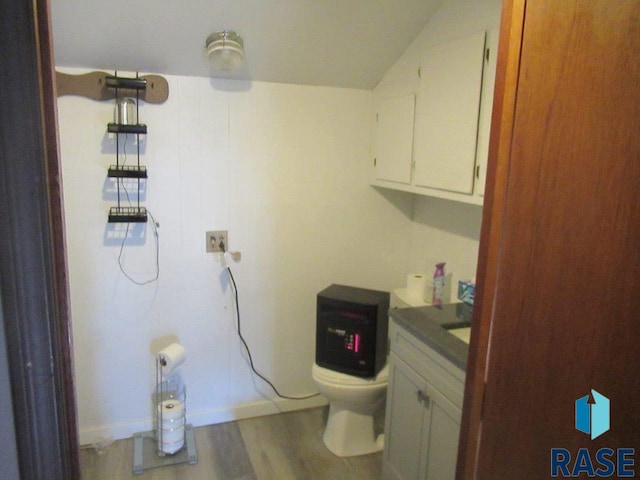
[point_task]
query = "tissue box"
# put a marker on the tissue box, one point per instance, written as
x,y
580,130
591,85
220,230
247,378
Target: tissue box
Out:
x,y
466,291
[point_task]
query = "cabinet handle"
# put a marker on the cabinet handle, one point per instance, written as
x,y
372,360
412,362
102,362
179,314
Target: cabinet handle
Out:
x,y
423,398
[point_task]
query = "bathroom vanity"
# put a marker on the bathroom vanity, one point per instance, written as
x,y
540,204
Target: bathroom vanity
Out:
x,y
427,364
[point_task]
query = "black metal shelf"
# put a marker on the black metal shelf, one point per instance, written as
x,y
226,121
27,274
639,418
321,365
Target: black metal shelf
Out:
x,y
113,81
130,214
140,128
127,215
127,171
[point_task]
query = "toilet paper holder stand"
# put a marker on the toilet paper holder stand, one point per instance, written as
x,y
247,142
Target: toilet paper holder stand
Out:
x,y
146,451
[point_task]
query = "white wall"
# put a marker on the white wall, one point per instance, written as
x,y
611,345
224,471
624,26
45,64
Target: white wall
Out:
x,y
442,230
284,169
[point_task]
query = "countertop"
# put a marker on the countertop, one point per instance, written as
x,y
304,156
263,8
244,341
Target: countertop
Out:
x,y
425,324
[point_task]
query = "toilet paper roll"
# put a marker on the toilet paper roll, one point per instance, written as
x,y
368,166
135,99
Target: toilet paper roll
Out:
x,y
172,357
170,410
170,436
170,448
417,285
170,424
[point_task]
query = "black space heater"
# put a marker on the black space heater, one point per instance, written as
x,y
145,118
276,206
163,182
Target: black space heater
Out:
x,y
352,330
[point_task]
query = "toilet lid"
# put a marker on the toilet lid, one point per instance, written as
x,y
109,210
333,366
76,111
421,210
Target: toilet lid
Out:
x,y
332,376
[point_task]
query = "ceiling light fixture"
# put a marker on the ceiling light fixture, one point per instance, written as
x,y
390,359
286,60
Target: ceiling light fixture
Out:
x,y
225,50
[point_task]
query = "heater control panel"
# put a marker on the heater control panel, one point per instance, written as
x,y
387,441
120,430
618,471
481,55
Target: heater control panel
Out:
x,y
343,340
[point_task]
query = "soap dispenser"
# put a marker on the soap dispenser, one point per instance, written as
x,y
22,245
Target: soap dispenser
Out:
x,y
438,285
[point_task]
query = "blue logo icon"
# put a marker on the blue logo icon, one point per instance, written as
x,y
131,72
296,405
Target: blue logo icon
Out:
x,y
592,414
592,418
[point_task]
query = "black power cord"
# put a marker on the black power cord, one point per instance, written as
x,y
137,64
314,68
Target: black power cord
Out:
x,y
246,347
154,225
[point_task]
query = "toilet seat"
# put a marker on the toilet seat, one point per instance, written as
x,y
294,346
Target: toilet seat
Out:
x,y
339,378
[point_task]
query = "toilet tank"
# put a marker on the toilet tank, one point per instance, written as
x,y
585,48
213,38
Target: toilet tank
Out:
x,y
352,330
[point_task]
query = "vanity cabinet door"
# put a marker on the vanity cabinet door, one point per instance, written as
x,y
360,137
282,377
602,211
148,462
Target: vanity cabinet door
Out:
x,y
422,428
405,423
442,436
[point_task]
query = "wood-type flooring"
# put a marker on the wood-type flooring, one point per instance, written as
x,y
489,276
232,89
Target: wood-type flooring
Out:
x,y
286,446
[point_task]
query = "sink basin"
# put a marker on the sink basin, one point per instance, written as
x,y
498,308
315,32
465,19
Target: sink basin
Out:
x,y
463,333
456,325
461,329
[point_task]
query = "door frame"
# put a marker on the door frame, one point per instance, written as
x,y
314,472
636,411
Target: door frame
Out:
x,y
34,283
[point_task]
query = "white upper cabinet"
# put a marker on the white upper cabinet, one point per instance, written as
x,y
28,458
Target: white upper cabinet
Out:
x,y
486,108
446,125
394,139
436,142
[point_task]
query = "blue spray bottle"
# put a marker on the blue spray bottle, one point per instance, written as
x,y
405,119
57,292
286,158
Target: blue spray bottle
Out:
x,y
438,285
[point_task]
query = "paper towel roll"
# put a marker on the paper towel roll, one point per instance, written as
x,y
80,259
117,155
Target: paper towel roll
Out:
x,y
171,357
417,285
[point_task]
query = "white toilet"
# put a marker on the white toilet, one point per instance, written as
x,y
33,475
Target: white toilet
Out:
x,y
353,402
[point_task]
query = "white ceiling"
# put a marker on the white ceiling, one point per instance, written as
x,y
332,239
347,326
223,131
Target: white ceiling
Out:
x,y
345,43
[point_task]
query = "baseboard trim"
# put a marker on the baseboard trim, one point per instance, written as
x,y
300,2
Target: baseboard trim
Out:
x,y
102,436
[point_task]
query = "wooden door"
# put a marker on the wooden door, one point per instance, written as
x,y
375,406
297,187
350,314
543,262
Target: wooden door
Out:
x,y
559,266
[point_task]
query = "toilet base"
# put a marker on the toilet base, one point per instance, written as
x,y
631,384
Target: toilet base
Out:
x,y
349,433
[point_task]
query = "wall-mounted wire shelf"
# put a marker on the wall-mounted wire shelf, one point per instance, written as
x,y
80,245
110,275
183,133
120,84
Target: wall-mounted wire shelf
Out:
x,y
127,215
127,171
120,213
139,128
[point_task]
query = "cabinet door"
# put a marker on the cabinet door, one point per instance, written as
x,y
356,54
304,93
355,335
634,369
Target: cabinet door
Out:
x,y
486,108
404,429
394,139
442,436
446,123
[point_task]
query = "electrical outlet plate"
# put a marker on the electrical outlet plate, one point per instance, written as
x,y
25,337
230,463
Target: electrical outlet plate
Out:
x,y
215,240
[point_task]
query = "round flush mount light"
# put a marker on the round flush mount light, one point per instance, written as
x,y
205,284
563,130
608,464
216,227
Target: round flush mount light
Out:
x,y
225,50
